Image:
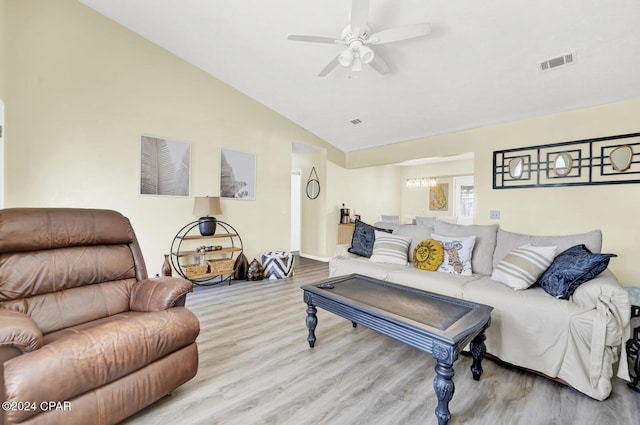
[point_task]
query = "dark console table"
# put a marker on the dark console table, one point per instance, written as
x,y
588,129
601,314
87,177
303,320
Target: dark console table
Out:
x,y
438,325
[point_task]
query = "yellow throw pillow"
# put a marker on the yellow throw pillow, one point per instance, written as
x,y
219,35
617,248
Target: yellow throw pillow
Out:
x,y
428,255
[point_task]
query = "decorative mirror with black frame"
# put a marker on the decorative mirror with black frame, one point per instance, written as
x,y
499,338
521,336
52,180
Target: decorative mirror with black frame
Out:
x,y
313,185
604,160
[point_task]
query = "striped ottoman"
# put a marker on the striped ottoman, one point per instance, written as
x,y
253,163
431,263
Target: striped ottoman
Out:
x,y
277,264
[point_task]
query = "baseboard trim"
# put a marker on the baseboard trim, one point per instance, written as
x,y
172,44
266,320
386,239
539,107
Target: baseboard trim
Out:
x,y
315,257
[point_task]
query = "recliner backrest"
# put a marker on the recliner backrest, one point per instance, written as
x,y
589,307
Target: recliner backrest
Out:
x,y
63,266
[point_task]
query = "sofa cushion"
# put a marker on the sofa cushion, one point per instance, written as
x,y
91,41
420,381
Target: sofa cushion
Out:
x,y
428,255
363,238
451,285
570,269
394,219
416,233
457,253
485,244
347,264
522,267
425,221
509,240
390,248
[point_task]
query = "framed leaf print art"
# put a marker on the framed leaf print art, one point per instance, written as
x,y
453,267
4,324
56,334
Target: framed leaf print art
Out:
x,y
165,167
237,175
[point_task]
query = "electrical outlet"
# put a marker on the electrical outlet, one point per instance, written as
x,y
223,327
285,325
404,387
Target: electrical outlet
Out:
x,y
494,215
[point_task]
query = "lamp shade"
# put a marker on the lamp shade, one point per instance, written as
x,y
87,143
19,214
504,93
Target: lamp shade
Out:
x,y
346,57
366,54
204,206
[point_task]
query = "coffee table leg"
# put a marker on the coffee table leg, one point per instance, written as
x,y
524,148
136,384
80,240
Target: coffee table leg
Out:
x,y
444,388
478,351
312,322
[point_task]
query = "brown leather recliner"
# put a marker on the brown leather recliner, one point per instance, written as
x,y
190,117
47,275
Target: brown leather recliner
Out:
x,y
85,337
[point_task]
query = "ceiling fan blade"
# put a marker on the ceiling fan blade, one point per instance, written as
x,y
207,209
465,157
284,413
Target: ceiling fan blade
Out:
x,y
315,39
379,64
327,69
359,15
400,33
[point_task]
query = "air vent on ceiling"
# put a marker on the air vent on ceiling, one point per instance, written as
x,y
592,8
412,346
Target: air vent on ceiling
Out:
x,y
356,121
557,62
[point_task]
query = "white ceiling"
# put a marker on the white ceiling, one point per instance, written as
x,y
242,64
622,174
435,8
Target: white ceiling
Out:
x,y
477,67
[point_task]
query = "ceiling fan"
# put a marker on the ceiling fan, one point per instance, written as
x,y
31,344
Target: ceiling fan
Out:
x,y
357,37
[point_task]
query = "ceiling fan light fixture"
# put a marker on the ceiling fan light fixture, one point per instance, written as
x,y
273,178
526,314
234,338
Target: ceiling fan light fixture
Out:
x,y
356,35
366,54
346,57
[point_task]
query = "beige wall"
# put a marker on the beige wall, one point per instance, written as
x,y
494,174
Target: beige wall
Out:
x,y
3,42
563,210
83,89
314,221
370,192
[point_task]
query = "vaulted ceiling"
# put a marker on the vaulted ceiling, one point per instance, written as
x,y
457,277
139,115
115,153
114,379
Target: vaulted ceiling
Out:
x,y
480,64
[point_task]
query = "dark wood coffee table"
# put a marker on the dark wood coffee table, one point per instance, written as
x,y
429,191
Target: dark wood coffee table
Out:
x,y
441,326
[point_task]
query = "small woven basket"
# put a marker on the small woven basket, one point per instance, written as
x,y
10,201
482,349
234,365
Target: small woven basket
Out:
x,y
191,270
220,265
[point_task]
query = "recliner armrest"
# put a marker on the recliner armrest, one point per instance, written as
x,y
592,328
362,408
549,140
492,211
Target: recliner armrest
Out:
x,y
19,330
159,293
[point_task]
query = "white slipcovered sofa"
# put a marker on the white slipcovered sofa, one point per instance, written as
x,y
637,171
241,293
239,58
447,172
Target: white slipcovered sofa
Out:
x,y
576,341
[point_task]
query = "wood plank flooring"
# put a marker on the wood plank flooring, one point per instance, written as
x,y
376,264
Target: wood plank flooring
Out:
x,y
257,368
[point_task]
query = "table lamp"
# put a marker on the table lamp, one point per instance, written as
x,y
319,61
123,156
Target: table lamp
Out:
x,y
205,207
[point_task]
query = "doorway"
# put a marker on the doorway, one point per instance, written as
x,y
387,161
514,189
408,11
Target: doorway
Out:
x,y
296,211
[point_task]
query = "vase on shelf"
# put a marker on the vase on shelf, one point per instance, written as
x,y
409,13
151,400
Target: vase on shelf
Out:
x,y
166,266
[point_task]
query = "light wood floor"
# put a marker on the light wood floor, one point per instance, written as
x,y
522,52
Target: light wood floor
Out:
x,y
257,368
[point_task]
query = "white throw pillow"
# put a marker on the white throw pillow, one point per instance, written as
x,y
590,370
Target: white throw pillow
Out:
x,y
457,253
522,267
390,248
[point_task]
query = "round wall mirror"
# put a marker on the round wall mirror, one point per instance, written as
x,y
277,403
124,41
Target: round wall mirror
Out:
x,y
313,189
562,164
621,158
516,167
313,184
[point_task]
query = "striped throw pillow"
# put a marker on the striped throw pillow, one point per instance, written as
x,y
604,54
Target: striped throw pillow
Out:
x,y
522,267
390,248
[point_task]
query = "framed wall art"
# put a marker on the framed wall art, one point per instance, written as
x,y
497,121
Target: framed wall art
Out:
x,y
165,167
439,197
237,175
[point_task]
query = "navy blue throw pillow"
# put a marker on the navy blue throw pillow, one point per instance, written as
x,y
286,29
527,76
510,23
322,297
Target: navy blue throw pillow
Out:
x,y
363,238
572,268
